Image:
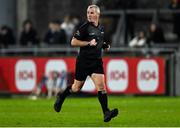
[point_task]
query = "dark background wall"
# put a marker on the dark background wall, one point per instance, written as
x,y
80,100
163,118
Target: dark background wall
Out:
x,y
43,11
8,13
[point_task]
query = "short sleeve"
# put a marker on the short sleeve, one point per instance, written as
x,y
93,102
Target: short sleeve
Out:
x,y
81,32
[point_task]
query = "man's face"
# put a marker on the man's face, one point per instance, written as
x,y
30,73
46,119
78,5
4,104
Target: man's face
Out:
x,y
92,15
28,26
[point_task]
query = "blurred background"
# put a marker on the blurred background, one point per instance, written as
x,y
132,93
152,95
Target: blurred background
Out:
x,y
35,45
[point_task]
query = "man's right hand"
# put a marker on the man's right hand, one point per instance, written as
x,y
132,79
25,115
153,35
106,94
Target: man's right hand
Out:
x,y
92,42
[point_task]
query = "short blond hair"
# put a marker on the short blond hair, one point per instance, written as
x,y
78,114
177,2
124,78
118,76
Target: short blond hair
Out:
x,y
96,8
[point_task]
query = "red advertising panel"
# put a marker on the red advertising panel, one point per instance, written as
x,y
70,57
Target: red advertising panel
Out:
x,y
123,75
135,75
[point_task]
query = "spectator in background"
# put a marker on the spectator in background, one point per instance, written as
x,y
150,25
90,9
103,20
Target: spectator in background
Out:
x,y
55,35
6,37
53,83
28,35
156,34
139,40
49,36
69,26
39,89
175,4
77,21
61,77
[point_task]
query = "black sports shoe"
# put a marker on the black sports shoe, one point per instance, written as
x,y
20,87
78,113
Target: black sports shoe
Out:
x,y
110,114
58,104
60,99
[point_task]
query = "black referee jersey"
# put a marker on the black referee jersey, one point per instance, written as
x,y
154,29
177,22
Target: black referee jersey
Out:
x,y
87,32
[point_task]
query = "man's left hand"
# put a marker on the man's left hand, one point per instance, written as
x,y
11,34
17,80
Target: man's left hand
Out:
x,y
106,46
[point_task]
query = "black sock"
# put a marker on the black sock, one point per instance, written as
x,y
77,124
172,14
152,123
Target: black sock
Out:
x,y
66,93
102,96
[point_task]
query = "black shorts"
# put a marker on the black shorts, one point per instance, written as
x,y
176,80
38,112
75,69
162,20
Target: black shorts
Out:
x,y
85,67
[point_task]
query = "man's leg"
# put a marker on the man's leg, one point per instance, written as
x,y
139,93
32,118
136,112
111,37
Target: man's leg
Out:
x,y
98,80
102,97
61,96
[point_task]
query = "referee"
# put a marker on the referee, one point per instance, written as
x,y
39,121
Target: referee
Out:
x,y
89,37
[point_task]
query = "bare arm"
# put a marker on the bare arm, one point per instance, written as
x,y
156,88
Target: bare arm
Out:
x,y
78,43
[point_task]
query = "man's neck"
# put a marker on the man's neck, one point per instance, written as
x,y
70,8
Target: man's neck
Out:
x,y
95,23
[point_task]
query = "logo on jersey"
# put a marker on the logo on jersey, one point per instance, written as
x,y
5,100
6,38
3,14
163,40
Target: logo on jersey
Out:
x,y
91,34
78,33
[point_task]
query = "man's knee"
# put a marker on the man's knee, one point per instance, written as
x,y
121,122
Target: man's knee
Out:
x,y
100,87
75,88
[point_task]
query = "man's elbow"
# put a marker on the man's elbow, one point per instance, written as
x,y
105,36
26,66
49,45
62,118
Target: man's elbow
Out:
x,y
73,42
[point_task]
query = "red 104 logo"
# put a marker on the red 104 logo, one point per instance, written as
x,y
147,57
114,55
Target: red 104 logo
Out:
x,y
25,75
117,75
147,75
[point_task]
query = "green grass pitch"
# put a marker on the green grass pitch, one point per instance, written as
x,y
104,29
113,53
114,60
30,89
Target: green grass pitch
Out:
x,y
86,112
